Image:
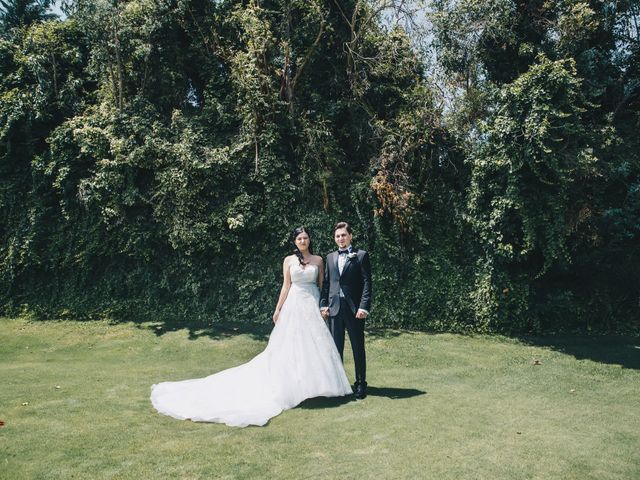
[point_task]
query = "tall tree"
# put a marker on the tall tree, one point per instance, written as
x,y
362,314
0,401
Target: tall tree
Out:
x,y
22,13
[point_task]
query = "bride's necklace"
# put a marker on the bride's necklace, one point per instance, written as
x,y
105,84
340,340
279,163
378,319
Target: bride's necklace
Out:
x,y
306,262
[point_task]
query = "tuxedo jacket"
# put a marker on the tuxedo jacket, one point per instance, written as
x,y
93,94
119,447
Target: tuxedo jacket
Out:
x,y
355,282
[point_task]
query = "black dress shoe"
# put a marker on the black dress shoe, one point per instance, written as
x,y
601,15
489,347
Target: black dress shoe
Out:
x,y
360,390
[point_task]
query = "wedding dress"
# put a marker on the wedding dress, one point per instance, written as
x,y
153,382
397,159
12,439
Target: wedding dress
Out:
x,y
300,361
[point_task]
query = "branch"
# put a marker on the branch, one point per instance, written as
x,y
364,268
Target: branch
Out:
x,y
308,55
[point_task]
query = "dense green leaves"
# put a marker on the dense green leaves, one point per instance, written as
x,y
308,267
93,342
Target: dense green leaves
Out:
x,y
155,155
22,13
547,104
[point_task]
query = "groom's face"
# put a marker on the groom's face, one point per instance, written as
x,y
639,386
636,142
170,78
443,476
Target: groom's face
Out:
x,y
342,238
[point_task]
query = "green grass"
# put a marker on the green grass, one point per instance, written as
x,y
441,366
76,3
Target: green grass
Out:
x,y
441,406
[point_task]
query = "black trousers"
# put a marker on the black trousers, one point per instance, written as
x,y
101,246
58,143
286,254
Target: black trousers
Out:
x,y
355,328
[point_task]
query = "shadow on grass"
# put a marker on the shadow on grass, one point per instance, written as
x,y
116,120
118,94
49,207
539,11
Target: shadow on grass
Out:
x,y
326,402
394,393
196,325
389,392
377,332
216,330
618,350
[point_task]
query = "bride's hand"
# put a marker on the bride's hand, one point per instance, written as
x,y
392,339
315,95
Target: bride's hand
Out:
x,y
276,314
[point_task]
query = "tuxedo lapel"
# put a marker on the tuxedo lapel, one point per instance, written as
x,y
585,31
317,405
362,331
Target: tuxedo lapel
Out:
x,y
347,263
335,262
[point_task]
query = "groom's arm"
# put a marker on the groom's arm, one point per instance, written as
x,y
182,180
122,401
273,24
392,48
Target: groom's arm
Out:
x,y
324,294
365,270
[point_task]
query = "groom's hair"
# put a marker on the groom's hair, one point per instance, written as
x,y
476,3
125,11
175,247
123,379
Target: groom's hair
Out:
x,y
342,225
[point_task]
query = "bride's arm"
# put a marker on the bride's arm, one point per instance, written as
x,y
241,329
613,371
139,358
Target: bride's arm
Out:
x,y
284,291
320,273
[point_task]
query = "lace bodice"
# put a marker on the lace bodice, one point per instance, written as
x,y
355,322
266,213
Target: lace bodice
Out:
x,y
300,275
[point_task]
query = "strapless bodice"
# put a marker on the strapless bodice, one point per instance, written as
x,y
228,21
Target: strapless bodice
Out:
x,y
301,276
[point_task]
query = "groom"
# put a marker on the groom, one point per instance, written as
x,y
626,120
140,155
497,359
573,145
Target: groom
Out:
x,y
346,298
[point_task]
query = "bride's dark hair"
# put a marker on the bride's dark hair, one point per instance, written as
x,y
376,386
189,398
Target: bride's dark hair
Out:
x,y
298,253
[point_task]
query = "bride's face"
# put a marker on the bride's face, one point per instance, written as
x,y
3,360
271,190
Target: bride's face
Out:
x,y
302,242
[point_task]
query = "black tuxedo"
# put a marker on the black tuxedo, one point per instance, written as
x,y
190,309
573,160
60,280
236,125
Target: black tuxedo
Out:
x,y
355,283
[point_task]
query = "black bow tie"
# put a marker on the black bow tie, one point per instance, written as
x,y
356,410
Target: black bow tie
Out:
x,y
340,252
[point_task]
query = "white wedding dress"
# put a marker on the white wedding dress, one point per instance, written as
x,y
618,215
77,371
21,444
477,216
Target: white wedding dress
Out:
x,y
300,361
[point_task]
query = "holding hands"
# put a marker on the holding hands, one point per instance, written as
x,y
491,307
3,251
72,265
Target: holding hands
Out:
x,y
361,314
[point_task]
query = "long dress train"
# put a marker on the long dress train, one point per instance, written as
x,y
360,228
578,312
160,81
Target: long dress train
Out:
x,y
300,361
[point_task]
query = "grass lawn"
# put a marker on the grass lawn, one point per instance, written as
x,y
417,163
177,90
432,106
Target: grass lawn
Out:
x,y
74,399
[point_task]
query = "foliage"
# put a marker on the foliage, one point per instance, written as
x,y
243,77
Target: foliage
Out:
x,y
22,13
155,155
543,97
523,186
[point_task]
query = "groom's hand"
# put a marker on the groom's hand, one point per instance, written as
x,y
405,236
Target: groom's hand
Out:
x,y
361,314
324,312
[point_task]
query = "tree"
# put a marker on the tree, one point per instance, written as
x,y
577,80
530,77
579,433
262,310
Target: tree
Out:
x,y
22,13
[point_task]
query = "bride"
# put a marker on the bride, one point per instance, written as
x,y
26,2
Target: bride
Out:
x,y
300,361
